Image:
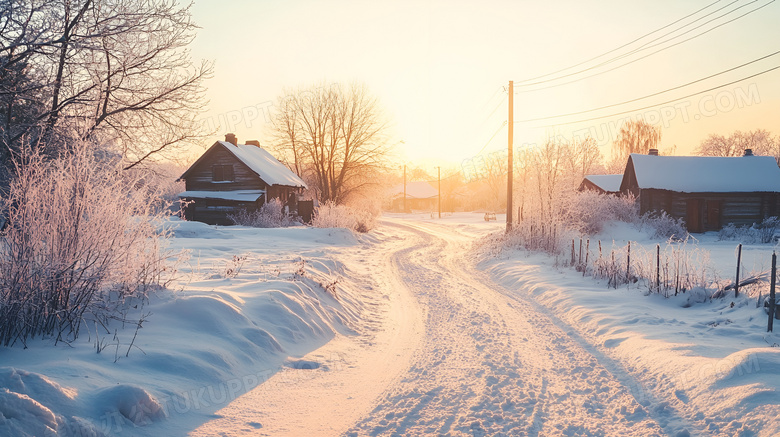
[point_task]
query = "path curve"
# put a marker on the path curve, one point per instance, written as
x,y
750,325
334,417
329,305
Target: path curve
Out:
x,y
494,363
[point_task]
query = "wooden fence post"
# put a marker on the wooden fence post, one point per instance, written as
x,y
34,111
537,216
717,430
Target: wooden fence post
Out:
x,y
772,304
739,261
587,255
579,258
658,267
572,251
628,263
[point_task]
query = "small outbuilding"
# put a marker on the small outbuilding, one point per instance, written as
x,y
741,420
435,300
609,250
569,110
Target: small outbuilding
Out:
x,y
602,183
230,177
707,192
420,195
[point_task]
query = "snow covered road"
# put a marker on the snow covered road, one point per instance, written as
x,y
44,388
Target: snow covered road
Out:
x,y
491,363
452,353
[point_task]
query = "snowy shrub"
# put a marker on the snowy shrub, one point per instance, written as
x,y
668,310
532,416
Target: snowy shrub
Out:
x,y
80,244
535,234
762,233
330,215
587,211
270,215
664,226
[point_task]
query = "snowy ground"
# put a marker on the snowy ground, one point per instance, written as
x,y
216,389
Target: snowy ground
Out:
x,y
244,307
408,330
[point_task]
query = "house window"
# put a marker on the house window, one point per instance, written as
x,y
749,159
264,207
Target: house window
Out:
x,y
222,173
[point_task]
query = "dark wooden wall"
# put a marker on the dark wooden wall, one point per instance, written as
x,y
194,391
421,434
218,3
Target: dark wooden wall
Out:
x,y
200,176
216,211
711,211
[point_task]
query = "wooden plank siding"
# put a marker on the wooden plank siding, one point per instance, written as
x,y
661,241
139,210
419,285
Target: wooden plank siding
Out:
x,y
216,211
710,211
200,176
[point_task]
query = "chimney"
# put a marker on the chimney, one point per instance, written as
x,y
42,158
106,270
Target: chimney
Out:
x,y
231,138
253,143
652,152
748,152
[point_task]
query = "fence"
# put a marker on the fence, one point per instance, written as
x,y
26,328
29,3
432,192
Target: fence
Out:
x,y
675,269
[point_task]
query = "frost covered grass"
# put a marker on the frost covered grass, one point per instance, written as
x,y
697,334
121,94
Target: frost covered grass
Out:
x,y
550,227
671,264
764,232
270,215
242,303
81,245
331,215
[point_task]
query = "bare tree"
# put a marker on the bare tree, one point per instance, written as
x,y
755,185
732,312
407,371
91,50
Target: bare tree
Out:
x,y
547,165
114,72
334,136
760,141
633,137
580,157
523,163
495,174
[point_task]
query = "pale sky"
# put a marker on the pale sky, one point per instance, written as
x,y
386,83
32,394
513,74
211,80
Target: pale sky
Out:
x,y
439,68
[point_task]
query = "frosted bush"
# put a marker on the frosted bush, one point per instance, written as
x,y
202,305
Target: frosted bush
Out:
x,y
664,226
80,243
331,215
270,215
587,211
758,233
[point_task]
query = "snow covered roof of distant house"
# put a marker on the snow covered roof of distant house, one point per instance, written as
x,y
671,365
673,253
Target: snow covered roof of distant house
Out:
x,y
703,174
415,190
236,195
261,163
607,182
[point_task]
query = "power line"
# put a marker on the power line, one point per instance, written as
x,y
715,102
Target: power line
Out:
x,y
500,104
504,123
643,48
620,47
645,45
655,105
495,93
657,93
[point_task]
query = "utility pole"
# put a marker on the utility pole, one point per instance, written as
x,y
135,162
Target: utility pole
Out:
x,y
510,158
404,187
439,168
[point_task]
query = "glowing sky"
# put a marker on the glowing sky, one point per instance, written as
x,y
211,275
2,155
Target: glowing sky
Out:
x,y
439,67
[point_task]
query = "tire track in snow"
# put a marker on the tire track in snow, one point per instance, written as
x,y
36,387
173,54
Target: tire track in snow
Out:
x,y
493,364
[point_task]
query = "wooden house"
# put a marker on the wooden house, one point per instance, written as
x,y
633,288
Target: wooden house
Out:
x,y
707,192
602,183
230,177
420,195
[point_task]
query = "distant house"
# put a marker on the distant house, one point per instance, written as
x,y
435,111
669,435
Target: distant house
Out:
x,y
420,195
707,192
602,183
230,177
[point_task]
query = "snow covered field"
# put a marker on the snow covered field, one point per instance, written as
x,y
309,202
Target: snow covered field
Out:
x,y
243,306
408,330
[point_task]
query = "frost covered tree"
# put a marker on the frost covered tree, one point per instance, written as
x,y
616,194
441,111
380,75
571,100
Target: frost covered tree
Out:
x,y
581,157
634,137
111,72
735,144
334,136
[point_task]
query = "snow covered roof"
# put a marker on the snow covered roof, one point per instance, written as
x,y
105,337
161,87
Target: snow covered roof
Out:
x,y
607,182
264,164
237,195
260,162
703,174
415,190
